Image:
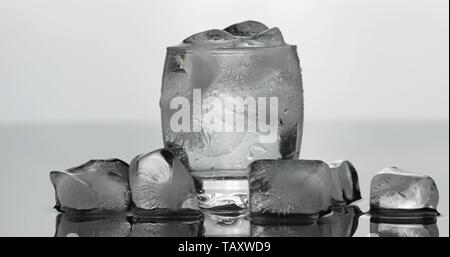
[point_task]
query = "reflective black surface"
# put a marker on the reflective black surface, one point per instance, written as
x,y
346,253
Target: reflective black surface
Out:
x,y
341,222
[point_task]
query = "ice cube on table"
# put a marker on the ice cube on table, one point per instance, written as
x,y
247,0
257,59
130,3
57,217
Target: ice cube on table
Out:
x,y
68,225
96,186
246,28
344,182
380,229
289,187
161,184
394,189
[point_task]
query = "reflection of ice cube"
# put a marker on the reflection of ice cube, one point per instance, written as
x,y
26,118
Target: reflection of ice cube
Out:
x,y
96,186
283,187
341,223
160,182
396,189
403,230
91,226
344,182
246,28
283,230
144,227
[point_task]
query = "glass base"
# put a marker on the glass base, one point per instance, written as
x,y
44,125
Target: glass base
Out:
x,y
222,191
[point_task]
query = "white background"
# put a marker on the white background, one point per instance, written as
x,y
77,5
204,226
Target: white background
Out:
x,y
101,60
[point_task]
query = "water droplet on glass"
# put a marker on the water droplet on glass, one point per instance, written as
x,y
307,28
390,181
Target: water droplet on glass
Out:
x,y
258,148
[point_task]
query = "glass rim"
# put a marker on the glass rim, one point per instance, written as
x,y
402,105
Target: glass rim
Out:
x,y
190,48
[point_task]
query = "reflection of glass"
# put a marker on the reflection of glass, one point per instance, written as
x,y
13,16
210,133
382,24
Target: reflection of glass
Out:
x,y
91,226
226,224
146,227
341,223
401,228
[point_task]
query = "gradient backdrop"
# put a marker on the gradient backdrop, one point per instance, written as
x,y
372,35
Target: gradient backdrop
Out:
x,y
80,79
101,60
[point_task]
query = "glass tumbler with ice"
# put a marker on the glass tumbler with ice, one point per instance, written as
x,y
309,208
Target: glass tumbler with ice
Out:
x,y
230,97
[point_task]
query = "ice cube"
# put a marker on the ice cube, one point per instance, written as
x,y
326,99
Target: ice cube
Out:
x,y
341,223
287,187
96,186
145,227
160,183
240,35
394,189
246,28
270,37
403,230
68,225
209,36
344,182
